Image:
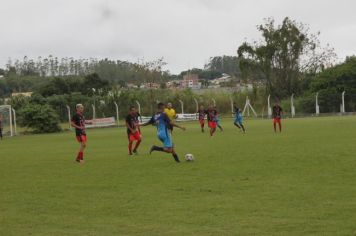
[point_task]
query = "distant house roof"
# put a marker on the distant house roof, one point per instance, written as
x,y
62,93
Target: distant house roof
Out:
x,y
26,94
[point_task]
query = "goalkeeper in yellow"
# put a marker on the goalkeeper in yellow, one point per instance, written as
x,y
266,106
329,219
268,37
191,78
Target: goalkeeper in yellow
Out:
x,y
172,115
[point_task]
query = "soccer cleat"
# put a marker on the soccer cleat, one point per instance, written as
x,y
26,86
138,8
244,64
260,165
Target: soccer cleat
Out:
x,y
135,152
80,161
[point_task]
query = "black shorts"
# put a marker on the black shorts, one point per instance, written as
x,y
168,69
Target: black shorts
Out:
x,y
170,127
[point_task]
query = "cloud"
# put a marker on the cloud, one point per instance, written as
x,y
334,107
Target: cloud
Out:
x,y
185,32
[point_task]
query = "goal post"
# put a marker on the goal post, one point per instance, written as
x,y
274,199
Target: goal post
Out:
x,y
8,120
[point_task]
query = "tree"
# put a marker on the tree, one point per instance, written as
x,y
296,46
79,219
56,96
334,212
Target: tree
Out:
x,y
225,64
287,53
93,83
40,118
332,82
203,74
4,89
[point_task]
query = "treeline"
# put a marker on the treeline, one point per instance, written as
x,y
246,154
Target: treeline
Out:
x,y
54,85
112,70
51,66
116,70
29,74
329,84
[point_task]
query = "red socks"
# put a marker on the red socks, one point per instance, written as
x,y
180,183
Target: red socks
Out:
x,y
80,156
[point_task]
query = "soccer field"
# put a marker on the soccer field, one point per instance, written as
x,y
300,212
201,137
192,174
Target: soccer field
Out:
x,y
300,182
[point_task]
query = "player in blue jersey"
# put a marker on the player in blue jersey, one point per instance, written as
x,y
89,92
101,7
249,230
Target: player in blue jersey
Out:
x,y
218,124
238,119
162,122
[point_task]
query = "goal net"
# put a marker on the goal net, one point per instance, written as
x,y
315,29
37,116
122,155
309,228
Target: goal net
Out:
x,y
7,119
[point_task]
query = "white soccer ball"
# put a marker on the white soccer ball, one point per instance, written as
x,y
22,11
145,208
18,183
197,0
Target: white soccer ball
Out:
x,y
189,157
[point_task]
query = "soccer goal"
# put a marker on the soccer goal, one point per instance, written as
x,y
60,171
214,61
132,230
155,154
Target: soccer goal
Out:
x,y
8,120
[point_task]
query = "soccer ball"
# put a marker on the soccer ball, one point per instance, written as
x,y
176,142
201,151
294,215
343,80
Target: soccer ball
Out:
x,y
189,157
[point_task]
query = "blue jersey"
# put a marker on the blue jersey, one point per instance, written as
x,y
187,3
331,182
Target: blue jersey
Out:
x,y
237,112
238,115
161,121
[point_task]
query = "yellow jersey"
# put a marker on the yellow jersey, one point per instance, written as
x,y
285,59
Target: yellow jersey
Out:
x,y
171,113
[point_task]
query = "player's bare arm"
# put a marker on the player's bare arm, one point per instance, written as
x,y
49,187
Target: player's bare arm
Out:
x,y
178,126
145,124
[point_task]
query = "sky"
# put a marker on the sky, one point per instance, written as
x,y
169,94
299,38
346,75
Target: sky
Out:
x,y
186,33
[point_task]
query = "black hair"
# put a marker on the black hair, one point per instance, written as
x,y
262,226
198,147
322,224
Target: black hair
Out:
x,y
160,105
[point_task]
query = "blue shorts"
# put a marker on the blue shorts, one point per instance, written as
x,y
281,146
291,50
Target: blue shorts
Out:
x,y
166,140
238,120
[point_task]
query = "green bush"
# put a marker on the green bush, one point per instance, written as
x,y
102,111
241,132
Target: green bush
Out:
x,y
305,104
40,118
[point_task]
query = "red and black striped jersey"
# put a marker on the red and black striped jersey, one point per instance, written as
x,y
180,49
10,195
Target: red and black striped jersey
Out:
x,y
201,114
79,120
211,114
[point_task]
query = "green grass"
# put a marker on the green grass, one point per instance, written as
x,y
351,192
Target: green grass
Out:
x,y
300,182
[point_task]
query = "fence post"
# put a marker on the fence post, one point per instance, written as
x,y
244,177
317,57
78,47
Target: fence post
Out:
x,y
69,116
182,106
343,102
139,106
15,126
232,106
94,112
214,102
117,113
292,105
269,109
317,110
10,114
196,105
